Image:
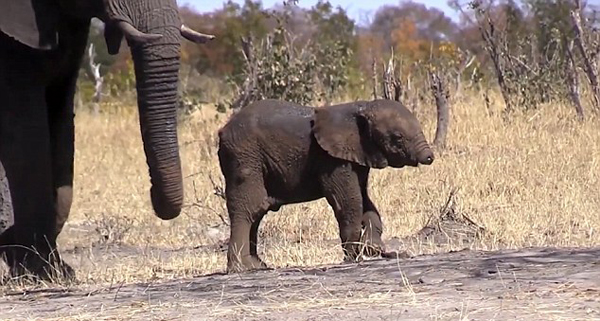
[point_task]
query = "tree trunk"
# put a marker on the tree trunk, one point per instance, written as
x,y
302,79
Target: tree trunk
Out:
x,y
458,89
94,71
573,80
588,64
392,87
440,94
374,75
488,33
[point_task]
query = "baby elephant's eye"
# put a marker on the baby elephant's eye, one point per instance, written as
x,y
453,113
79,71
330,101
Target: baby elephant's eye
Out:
x,y
397,140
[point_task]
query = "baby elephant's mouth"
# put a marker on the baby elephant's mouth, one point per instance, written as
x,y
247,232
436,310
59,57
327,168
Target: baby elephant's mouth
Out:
x,y
411,162
423,158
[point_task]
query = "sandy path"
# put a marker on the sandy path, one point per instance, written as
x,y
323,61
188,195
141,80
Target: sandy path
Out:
x,y
529,284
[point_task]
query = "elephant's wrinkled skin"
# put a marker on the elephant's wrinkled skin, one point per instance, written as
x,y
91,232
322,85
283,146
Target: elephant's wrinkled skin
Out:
x,y
273,153
41,47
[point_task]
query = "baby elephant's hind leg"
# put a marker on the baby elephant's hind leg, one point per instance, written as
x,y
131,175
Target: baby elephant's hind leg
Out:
x,y
247,203
254,239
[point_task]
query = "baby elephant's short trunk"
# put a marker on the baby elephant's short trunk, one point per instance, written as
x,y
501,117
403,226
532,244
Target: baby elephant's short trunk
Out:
x,y
424,153
426,158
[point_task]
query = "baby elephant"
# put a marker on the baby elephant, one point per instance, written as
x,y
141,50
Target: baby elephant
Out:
x,y
273,153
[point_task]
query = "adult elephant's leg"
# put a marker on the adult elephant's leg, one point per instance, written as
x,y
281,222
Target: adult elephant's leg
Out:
x,y
25,154
59,98
62,135
342,190
6,211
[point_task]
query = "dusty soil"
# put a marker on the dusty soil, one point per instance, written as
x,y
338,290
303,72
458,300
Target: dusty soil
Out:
x,y
527,284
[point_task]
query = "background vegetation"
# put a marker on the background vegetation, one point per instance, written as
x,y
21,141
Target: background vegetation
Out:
x,y
528,50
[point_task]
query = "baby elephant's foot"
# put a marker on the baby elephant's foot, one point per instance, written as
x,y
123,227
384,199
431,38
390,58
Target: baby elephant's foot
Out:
x,y
247,263
350,259
395,255
353,255
372,245
378,250
373,250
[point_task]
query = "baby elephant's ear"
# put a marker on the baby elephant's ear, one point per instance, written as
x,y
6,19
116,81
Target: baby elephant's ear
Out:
x,y
343,133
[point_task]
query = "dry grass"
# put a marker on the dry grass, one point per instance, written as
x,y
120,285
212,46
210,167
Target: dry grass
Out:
x,y
532,181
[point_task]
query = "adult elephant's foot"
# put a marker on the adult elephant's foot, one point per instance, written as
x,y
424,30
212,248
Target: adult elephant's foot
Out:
x,y
246,263
33,266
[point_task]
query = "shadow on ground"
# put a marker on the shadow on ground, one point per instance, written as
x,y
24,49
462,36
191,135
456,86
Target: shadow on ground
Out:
x,y
538,283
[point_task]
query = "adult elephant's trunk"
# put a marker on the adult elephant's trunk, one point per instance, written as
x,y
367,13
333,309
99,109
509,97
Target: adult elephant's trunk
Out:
x,y
156,69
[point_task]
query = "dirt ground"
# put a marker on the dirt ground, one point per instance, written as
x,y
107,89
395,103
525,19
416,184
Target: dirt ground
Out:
x,y
527,284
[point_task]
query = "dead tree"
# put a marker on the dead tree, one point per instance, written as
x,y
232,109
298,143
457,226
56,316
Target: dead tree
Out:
x,y
573,81
374,78
440,93
392,87
248,92
94,72
296,79
494,47
588,60
460,71
393,90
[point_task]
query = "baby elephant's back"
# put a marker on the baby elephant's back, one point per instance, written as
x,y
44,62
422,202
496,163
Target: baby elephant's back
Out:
x,y
269,124
271,140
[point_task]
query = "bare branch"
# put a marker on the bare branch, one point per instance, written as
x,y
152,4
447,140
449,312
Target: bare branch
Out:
x,y
374,75
199,203
392,87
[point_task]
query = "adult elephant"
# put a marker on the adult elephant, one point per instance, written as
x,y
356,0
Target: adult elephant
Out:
x,y
41,47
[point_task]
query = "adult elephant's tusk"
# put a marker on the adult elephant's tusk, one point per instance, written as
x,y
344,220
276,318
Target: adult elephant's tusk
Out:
x,y
132,34
195,36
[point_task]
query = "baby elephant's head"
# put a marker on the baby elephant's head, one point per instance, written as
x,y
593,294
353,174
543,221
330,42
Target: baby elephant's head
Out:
x,y
377,134
396,133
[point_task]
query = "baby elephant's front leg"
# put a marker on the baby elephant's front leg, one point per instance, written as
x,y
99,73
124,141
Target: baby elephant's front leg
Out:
x,y
371,236
373,245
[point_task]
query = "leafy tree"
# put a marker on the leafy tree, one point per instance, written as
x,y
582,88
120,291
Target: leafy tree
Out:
x,y
430,24
222,56
333,44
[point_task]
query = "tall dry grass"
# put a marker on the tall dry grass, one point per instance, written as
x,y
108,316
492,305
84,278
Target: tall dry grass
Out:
x,y
531,181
